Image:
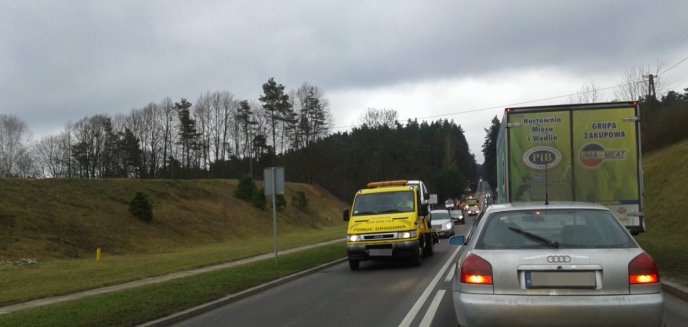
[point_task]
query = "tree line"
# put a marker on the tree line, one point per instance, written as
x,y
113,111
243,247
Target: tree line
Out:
x,y
218,136
171,139
222,137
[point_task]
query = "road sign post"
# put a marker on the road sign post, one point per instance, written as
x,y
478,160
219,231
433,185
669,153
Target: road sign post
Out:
x,y
273,180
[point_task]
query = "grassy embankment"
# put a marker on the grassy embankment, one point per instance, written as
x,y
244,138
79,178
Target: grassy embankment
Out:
x,y
666,205
174,244
58,224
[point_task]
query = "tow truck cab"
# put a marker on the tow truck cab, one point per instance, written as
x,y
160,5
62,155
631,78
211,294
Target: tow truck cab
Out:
x,y
390,220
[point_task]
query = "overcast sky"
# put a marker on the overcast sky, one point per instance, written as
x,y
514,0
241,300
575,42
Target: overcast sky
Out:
x,y
61,61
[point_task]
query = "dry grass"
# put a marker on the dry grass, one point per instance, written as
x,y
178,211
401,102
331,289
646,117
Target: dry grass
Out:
x,y
59,218
50,229
666,191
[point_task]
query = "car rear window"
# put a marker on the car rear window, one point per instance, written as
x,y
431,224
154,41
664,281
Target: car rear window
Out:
x,y
553,228
440,215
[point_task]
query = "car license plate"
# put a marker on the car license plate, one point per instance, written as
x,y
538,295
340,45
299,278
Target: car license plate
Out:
x,y
560,279
380,252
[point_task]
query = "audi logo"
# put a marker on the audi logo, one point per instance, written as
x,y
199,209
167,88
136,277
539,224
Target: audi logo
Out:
x,y
558,259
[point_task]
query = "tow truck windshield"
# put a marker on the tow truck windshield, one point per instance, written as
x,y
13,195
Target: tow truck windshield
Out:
x,y
388,202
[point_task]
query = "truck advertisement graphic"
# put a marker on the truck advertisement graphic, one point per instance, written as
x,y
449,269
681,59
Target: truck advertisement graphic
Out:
x,y
540,146
587,152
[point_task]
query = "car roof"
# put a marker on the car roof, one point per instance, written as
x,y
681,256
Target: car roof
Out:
x,y
541,205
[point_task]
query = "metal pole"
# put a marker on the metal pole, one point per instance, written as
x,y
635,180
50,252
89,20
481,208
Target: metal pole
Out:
x,y
274,211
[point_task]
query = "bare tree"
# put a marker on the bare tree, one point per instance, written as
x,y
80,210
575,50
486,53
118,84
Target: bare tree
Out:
x,y
589,93
201,114
91,137
169,115
49,154
220,116
374,118
229,111
150,136
13,136
137,125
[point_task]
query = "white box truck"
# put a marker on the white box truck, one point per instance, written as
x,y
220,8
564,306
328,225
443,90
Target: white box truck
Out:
x,y
577,152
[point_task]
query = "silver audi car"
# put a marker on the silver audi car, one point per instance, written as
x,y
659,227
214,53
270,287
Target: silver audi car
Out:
x,y
561,264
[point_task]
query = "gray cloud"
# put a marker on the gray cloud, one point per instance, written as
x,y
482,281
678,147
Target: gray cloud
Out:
x,y
62,61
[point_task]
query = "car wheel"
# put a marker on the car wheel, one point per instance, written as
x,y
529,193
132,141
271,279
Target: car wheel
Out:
x,y
429,248
418,259
354,264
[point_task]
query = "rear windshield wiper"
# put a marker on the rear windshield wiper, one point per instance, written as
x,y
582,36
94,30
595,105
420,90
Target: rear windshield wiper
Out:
x,y
535,237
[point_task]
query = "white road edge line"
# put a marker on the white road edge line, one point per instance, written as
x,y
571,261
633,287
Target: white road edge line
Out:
x,y
423,297
430,314
450,274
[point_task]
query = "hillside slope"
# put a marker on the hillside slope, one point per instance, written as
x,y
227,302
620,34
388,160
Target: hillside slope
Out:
x,y
666,204
59,218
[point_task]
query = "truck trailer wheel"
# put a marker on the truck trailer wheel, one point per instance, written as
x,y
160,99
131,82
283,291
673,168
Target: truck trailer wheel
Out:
x,y
354,264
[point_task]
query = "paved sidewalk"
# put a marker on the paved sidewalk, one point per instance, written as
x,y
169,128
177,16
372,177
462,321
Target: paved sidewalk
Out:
x,y
151,280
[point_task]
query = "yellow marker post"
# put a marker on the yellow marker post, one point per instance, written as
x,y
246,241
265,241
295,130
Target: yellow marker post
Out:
x,y
98,255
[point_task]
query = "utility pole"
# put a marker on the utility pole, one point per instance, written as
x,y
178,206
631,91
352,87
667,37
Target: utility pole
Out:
x,y
651,86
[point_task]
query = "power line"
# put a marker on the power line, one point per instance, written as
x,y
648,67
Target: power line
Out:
x,y
530,101
509,105
674,66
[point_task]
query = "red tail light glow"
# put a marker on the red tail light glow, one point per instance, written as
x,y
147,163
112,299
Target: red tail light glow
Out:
x,y
643,270
476,270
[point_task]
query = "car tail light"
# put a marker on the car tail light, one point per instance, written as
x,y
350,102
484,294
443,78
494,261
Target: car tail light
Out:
x,y
476,270
643,270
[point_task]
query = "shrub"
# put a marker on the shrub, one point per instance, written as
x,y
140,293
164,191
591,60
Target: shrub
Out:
x,y
280,201
299,200
141,208
258,198
246,188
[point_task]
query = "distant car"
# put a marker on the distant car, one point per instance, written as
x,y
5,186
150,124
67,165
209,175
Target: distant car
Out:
x,y
442,222
470,201
473,210
527,264
449,204
456,216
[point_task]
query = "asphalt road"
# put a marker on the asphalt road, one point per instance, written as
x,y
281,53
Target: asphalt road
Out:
x,y
379,294
675,311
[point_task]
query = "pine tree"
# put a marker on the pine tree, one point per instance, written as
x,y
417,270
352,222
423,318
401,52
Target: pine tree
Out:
x,y
276,103
187,130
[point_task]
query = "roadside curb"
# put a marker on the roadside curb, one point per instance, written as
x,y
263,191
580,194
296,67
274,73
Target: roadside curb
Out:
x,y
676,290
197,310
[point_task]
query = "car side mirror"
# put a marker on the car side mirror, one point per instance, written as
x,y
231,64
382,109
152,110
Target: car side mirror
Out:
x,y
423,210
457,240
345,214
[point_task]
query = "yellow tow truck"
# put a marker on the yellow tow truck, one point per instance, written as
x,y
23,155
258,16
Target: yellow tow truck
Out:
x,y
390,220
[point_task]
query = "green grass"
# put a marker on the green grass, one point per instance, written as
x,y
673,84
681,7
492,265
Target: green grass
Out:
x,y
147,303
666,190
56,277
